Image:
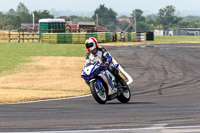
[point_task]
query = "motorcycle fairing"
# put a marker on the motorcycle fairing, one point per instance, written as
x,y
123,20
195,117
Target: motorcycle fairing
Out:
x,y
108,79
90,72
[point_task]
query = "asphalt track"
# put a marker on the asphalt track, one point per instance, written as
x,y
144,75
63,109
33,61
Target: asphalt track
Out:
x,y
165,97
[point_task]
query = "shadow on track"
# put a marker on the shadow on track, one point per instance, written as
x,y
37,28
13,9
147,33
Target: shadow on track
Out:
x,y
131,103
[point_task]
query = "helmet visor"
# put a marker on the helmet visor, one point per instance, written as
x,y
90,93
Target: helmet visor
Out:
x,y
89,45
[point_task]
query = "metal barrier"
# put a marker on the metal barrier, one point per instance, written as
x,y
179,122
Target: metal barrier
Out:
x,y
22,35
74,38
140,36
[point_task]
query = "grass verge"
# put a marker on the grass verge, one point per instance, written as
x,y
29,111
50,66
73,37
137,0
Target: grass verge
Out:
x,y
13,54
45,77
33,71
177,39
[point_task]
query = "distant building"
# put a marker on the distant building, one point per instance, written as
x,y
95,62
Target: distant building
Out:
x,y
189,31
86,26
124,19
178,32
99,29
75,28
67,19
29,26
158,32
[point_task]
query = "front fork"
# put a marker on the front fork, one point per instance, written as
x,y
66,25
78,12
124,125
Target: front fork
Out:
x,y
98,82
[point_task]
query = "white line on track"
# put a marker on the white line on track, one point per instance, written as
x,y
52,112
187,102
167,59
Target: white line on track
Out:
x,y
154,129
48,100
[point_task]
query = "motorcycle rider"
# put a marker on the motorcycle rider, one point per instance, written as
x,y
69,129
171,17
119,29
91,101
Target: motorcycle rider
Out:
x,y
98,53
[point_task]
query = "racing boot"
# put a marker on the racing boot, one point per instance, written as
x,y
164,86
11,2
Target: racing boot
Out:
x,y
122,82
115,72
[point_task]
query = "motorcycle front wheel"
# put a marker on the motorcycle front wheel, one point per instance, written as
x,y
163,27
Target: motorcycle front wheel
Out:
x,y
99,95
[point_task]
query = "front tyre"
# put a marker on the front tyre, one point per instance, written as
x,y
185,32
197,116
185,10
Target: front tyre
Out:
x,y
125,96
99,95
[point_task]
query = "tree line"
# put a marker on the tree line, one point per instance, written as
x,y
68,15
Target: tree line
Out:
x,y
166,18
13,19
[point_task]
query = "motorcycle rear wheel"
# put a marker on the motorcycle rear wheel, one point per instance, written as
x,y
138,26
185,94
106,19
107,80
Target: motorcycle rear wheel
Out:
x,y
99,95
125,96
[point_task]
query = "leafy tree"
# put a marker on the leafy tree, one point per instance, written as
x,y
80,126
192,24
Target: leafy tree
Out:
x,y
107,17
1,14
123,25
13,19
189,22
123,16
21,8
111,26
1,20
17,21
23,13
138,13
11,12
42,14
75,19
151,19
167,16
142,26
73,16
191,19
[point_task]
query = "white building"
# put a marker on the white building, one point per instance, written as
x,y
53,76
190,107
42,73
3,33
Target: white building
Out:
x,y
158,32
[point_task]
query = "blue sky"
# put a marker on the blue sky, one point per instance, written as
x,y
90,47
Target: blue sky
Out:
x,y
151,6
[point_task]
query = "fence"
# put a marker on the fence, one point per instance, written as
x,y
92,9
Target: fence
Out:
x,y
3,35
20,35
27,35
49,36
78,38
73,38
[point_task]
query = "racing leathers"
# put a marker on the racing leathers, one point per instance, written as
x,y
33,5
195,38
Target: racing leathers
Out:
x,y
103,56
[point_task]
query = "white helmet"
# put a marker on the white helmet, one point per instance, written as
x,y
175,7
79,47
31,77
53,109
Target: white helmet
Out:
x,y
91,44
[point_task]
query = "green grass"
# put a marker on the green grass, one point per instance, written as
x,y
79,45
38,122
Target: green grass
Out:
x,y
176,38
13,54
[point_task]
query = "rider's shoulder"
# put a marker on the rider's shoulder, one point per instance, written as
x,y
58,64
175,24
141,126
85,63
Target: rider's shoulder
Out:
x,y
102,49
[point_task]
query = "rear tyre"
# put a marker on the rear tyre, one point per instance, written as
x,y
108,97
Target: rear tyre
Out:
x,y
125,96
99,95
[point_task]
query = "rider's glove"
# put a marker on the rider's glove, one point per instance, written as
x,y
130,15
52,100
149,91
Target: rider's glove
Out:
x,y
107,64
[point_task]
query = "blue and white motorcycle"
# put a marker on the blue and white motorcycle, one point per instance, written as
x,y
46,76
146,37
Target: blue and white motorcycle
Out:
x,y
103,84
